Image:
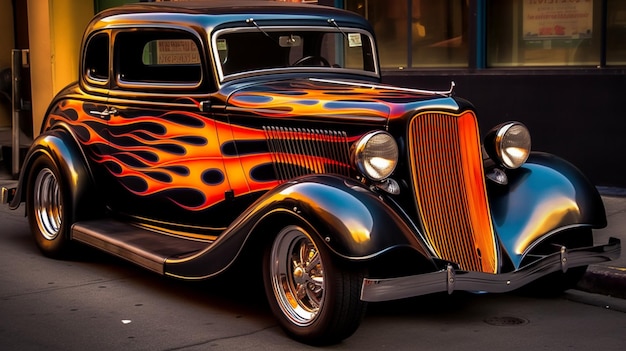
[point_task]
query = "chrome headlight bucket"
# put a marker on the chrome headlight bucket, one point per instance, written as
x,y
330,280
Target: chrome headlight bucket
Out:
x,y
375,155
509,144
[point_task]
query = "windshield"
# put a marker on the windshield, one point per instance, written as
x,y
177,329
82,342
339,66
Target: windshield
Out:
x,y
241,51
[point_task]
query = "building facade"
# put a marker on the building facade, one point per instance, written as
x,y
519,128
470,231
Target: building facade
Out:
x,y
557,65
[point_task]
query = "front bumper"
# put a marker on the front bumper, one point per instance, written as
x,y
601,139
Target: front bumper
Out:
x,y
450,280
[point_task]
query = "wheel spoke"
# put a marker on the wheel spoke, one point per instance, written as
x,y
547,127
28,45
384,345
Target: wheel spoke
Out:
x,y
314,298
304,254
313,263
300,282
302,291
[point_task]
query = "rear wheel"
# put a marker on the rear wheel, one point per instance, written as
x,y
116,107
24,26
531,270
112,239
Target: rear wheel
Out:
x,y
48,208
314,299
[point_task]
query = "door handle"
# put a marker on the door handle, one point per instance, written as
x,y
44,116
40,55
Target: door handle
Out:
x,y
109,111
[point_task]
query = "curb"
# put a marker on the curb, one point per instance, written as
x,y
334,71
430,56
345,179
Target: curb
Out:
x,y
604,280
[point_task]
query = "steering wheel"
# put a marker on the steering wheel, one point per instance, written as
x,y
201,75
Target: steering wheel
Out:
x,y
312,60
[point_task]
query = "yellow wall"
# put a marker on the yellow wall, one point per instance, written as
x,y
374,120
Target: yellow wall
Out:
x,y
6,44
55,32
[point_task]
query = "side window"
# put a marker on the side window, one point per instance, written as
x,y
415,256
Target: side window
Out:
x,y
157,58
96,64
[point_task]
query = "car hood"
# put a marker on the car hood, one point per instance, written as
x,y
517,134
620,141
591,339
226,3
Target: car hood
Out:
x,y
333,99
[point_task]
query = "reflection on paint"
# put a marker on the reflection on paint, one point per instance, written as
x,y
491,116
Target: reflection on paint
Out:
x,y
547,215
339,209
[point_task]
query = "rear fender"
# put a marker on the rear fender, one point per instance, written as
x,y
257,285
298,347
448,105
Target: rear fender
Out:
x,y
61,147
544,197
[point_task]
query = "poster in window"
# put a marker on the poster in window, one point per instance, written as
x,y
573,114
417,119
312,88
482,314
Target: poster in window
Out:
x,y
557,19
177,52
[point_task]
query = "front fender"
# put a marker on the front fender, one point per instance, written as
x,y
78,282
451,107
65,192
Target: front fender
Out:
x,y
61,148
543,197
350,219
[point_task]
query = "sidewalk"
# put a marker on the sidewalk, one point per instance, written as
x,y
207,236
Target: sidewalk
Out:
x,y
605,278
609,278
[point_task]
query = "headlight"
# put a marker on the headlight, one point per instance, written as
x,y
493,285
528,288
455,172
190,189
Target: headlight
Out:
x,y
509,144
376,155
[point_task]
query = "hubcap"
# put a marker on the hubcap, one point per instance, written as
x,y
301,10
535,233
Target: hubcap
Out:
x,y
297,275
47,204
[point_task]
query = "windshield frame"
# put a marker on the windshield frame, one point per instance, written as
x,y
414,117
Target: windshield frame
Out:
x,y
215,56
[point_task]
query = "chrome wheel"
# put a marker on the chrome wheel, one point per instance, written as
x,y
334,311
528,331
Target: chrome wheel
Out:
x,y
47,204
297,275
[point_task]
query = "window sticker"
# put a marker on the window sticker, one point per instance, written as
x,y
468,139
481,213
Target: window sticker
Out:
x,y
177,52
221,44
354,40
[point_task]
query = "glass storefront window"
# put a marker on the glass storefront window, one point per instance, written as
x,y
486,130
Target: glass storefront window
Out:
x,y
440,33
389,20
417,33
616,33
543,33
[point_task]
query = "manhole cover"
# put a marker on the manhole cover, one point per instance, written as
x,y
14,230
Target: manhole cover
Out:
x,y
505,321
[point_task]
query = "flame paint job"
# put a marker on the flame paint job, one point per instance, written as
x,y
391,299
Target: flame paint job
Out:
x,y
174,153
145,153
306,98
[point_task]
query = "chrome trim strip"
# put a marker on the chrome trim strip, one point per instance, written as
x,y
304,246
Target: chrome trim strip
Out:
x,y
374,290
386,87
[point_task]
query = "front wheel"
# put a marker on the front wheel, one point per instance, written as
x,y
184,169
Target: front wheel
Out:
x,y
48,208
315,301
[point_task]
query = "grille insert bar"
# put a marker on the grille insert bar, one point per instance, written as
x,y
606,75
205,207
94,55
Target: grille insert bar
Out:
x,y
299,151
449,186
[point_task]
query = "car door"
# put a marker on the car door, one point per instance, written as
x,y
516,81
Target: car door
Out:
x,y
165,163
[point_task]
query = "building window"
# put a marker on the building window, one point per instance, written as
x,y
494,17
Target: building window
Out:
x,y
544,33
616,33
418,33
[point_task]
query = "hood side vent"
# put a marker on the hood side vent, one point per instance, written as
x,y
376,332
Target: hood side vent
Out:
x,y
301,151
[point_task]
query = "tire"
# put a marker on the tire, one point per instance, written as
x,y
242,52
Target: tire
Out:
x,y
315,301
48,208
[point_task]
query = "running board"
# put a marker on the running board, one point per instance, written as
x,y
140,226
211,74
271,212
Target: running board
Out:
x,y
143,247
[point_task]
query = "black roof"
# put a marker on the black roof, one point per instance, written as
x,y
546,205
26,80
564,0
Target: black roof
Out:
x,y
210,13
217,7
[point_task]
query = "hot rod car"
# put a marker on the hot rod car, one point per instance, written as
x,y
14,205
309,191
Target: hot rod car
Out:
x,y
203,134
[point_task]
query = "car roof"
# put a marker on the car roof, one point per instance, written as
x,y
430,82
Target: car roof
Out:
x,y
221,6
226,7
210,13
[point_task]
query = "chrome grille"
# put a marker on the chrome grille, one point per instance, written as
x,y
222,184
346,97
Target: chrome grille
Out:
x,y
299,151
449,186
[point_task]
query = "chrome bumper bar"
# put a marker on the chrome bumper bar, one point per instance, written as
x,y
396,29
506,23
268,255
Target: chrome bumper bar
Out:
x,y
450,280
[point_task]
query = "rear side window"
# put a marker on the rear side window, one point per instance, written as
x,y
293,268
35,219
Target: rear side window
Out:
x,y
158,58
96,63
